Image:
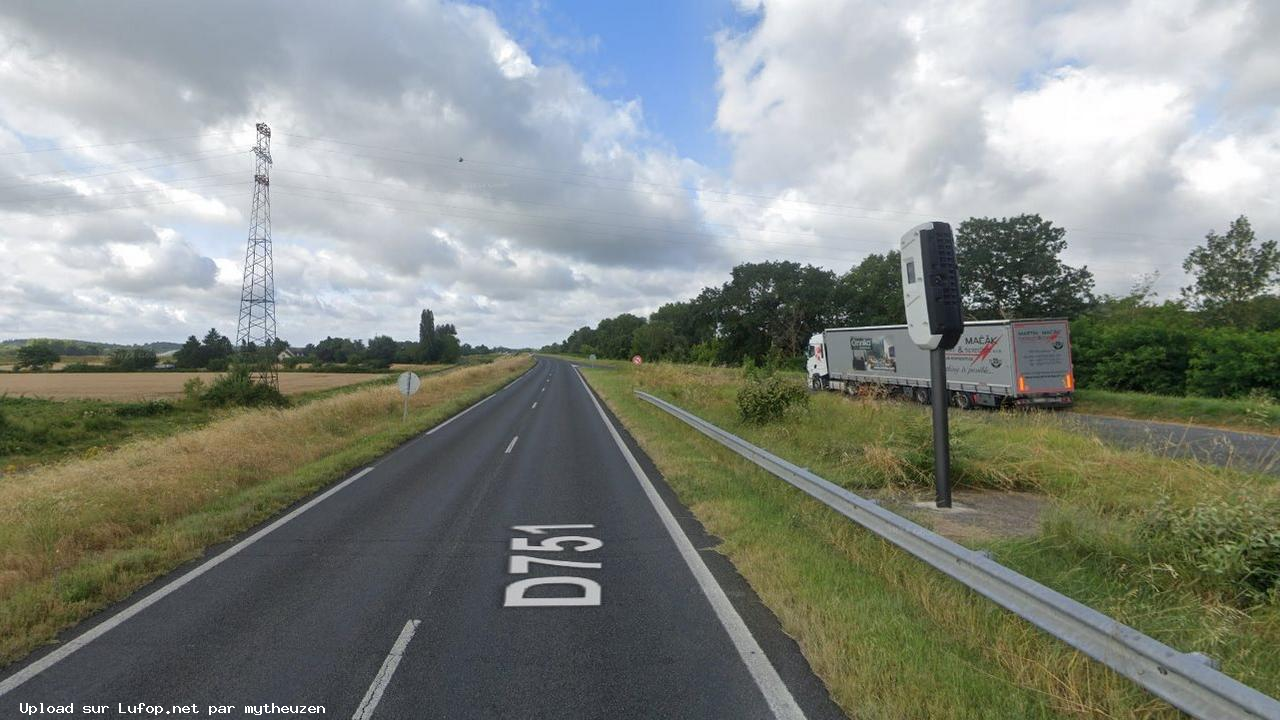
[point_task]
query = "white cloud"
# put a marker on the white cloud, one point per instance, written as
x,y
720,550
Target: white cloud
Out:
x,y
1138,125
1129,123
366,230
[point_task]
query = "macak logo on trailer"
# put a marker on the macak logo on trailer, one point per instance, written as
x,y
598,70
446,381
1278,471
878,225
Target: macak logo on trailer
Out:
x,y
977,348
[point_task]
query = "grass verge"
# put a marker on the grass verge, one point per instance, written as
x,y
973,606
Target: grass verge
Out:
x,y
1234,414
80,535
891,637
39,431
35,431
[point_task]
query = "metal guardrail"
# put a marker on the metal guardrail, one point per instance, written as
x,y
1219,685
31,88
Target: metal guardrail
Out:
x,y
1185,680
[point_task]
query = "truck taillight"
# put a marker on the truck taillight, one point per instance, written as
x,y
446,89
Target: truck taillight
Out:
x,y
1071,381
1022,384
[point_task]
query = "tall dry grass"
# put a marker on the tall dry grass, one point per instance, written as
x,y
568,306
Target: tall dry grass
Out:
x,y
78,535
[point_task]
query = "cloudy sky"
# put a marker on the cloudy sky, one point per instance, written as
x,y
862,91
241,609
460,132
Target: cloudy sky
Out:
x,y
613,157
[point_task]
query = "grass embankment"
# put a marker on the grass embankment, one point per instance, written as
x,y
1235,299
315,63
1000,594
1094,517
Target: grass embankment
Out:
x,y
38,431
35,431
891,637
80,535
1234,414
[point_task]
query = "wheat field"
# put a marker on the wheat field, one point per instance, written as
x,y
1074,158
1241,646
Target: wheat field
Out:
x,y
130,387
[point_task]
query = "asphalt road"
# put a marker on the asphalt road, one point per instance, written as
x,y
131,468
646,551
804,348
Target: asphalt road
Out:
x,y
405,593
1246,451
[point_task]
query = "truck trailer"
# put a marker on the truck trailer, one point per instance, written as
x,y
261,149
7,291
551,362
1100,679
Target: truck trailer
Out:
x,y
996,363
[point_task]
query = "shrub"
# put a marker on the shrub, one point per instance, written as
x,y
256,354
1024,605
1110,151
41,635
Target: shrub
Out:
x,y
193,389
217,364
237,388
147,408
1231,543
1231,363
101,423
130,359
769,398
79,367
1141,354
38,355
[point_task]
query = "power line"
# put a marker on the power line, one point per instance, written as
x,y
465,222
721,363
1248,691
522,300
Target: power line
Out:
x,y
157,187
218,196
128,162
484,214
325,196
652,193
63,148
117,172
560,222
454,161
498,199
769,198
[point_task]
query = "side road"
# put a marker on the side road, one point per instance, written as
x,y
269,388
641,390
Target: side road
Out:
x,y
1229,448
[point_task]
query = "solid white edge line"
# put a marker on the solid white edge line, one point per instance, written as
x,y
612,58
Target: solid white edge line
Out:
x,y
513,444
380,681
483,400
775,691
464,412
48,661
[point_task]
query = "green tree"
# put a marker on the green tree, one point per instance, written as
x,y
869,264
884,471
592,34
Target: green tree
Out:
x,y
693,321
1010,268
1230,272
613,335
772,305
338,350
37,355
382,350
131,359
580,339
450,349
190,356
653,340
871,292
216,347
427,337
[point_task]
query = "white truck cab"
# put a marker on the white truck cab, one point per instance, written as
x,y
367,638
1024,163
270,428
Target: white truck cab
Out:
x,y
816,364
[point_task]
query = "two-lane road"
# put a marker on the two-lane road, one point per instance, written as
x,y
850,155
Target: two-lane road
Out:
x,y
438,585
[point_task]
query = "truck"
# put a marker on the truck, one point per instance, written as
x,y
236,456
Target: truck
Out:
x,y
996,363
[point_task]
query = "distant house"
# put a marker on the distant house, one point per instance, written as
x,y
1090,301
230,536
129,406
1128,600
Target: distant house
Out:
x,y
290,352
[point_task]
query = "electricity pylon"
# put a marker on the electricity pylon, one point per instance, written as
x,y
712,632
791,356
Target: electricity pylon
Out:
x,y
257,323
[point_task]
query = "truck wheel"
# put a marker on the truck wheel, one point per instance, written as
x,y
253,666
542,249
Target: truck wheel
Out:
x,y
963,400
922,396
816,382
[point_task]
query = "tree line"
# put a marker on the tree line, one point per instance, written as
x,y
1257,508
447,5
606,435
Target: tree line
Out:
x,y
1009,268
436,343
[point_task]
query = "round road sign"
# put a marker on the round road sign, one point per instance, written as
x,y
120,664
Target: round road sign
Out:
x,y
408,383
637,359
